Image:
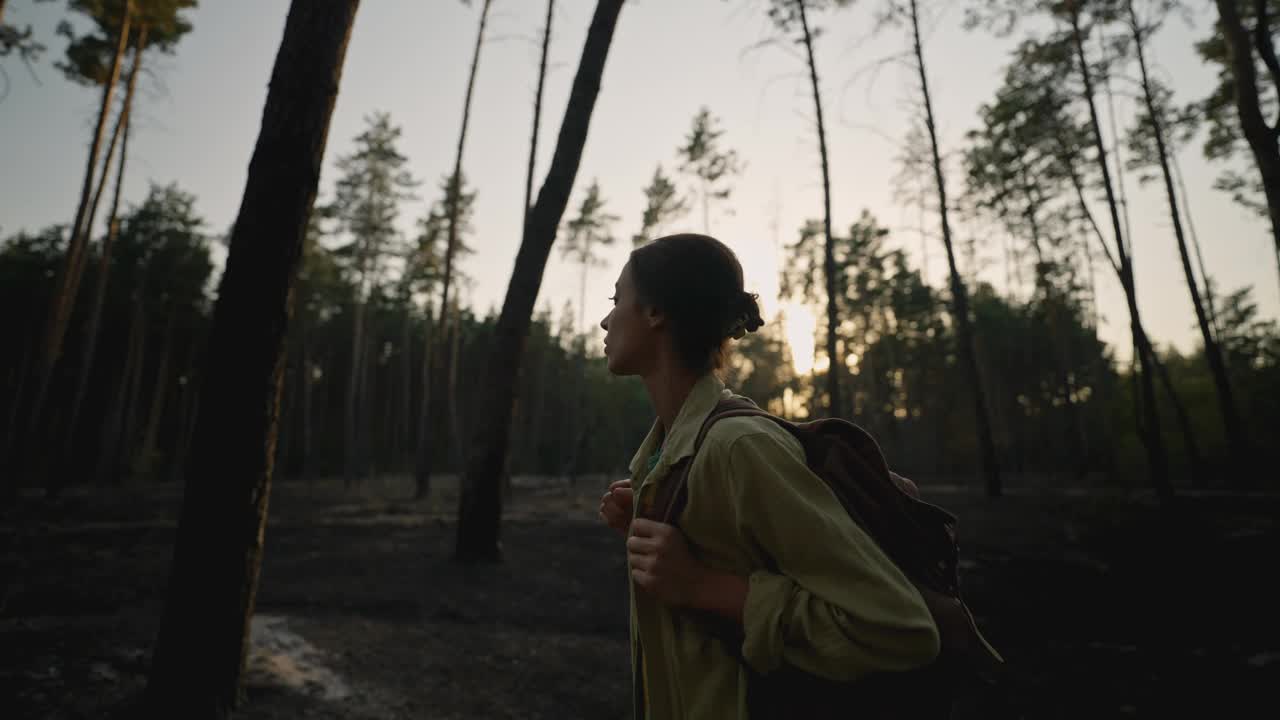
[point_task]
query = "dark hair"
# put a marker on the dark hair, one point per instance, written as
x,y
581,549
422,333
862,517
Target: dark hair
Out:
x,y
696,282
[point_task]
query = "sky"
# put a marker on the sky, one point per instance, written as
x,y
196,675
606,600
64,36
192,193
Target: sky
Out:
x,y
199,112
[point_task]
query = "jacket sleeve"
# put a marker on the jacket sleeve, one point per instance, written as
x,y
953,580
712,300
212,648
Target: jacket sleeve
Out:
x,y
831,603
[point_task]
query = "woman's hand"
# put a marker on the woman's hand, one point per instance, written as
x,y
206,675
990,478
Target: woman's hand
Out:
x,y
663,566
615,507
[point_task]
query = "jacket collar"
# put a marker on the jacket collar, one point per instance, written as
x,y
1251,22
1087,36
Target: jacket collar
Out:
x,y
680,437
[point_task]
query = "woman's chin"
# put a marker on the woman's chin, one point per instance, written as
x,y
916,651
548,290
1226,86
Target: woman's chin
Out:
x,y
615,365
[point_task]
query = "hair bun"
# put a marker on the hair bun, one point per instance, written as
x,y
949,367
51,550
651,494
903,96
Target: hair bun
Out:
x,y
748,316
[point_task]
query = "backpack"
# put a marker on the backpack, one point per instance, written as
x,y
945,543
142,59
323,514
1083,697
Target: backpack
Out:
x,y
920,538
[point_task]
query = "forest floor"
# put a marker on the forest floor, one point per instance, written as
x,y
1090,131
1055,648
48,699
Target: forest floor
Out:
x,y
1103,604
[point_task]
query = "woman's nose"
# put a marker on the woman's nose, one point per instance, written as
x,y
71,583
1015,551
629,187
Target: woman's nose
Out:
x,y
604,323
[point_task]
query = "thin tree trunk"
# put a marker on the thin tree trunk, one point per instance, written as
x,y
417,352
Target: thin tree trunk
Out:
x,y
390,428
1060,355
1236,437
453,198
143,462
480,505
1183,419
1156,458
63,300
459,453
368,402
537,111
90,344
203,642
528,184
960,299
113,428
128,441
404,417
836,365
539,408
422,470
1119,164
351,441
1261,137
1195,243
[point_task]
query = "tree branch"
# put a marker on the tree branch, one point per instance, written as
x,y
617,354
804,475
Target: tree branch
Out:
x,y
1262,39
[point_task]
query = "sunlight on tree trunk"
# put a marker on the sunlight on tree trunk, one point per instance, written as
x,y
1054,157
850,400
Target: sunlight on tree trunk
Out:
x,y
63,300
90,343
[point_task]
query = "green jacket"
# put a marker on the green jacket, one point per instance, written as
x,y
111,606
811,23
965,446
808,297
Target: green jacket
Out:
x,y
836,606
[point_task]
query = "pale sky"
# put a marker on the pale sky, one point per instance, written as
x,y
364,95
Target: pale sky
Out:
x,y
200,113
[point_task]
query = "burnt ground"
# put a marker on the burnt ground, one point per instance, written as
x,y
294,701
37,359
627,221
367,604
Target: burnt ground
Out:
x,y
1104,605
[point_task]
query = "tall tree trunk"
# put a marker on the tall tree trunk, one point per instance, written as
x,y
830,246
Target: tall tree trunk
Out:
x,y
123,468
113,428
143,463
1061,358
1261,137
537,111
404,417
531,440
1119,161
1158,463
365,441
459,444
200,652
422,469
351,436
1236,436
959,297
90,345
835,367
453,198
1195,243
1181,415
63,298
480,506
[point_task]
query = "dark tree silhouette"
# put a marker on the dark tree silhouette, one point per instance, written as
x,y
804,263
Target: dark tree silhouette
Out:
x,y
480,505
203,641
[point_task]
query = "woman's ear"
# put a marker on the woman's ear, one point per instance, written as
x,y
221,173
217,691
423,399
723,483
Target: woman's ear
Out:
x,y
654,317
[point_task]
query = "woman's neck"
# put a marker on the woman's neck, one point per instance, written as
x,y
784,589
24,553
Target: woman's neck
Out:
x,y
668,388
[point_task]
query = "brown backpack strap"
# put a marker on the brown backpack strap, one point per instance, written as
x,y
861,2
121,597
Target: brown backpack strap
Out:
x,y
675,498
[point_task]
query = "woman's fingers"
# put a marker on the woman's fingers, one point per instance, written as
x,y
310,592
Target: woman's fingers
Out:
x,y
641,545
614,514
623,497
615,505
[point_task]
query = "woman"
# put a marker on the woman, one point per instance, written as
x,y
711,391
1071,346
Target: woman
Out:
x,y
762,543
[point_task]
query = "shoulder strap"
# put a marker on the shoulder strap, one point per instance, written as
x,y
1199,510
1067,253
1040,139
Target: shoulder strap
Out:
x,y
678,492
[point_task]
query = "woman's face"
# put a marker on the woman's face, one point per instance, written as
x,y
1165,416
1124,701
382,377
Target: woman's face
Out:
x,y
631,330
